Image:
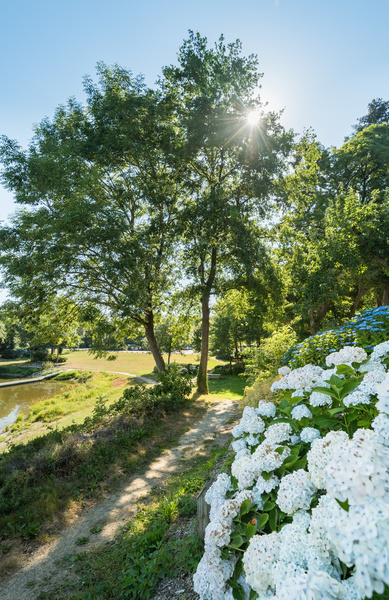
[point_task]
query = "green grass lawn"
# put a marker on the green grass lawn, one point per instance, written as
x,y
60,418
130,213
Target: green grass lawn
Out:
x,y
137,363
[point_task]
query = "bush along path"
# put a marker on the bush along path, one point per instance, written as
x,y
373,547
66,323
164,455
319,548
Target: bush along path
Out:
x,y
42,572
304,514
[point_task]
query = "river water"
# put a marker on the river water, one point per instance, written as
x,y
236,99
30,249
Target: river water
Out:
x,y
17,399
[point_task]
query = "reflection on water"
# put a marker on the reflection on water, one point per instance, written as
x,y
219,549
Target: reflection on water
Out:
x,y
17,399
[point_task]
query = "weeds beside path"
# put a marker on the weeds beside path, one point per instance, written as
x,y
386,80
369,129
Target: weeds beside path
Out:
x,y
45,569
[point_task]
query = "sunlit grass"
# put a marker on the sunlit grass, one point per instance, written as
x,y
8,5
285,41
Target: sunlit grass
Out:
x,y
136,363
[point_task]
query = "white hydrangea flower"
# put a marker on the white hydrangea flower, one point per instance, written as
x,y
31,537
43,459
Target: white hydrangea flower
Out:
x,y
313,585
250,422
383,395
278,433
346,356
370,382
266,458
302,378
217,534
319,399
359,469
211,576
244,469
300,411
227,512
266,409
294,439
263,485
258,561
239,444
361,538
298,394
356,397
352,591
380,352
252,440
284,371
243,452
216,494
372,365
308,434
326,509
295,491
381,427
320,455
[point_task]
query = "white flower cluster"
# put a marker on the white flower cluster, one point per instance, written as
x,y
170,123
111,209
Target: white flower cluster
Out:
x,y
383,395
302,378
348,477
346,356
250,422
300,412
296,491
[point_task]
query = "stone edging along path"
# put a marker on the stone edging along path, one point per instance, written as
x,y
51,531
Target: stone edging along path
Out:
x,y
45,567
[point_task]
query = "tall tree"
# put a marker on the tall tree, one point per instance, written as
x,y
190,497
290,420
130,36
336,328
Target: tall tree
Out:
x,y
232,150
99,198
377,112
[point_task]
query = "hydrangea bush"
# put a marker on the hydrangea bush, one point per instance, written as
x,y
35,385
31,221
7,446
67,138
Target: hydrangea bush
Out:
x,y
304,514
366,330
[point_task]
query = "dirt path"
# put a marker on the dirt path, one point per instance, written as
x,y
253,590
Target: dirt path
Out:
x,y
45,569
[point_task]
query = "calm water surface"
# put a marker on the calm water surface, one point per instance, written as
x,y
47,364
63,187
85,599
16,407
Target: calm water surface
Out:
x,y
18,399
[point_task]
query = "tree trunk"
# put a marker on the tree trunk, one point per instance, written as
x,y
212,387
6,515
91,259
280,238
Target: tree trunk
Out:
x,y
154,348
314,322
385,296
358,298
202,376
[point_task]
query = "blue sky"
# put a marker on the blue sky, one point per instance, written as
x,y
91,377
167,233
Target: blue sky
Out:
x,y
323,60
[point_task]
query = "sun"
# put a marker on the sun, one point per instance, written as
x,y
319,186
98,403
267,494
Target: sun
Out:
x,y
253,117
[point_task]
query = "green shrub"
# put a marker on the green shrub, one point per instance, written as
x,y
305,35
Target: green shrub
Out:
x,y
67,375
235,368
269,356
366,329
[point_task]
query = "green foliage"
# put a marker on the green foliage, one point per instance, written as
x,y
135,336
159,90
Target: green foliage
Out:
x,y
269,356
140,401
235,368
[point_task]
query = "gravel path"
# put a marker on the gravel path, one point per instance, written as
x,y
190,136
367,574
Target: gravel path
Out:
x,y
44,568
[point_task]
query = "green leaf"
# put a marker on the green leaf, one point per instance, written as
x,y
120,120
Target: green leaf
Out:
x,y
273,519
327,392
348,387
266,475
253,595
269,506
291,460
245,507
323,421
364,423
335,411
240,528
345,505
238,592
238,568
251,530
345,370
236,541
336,381
263,520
